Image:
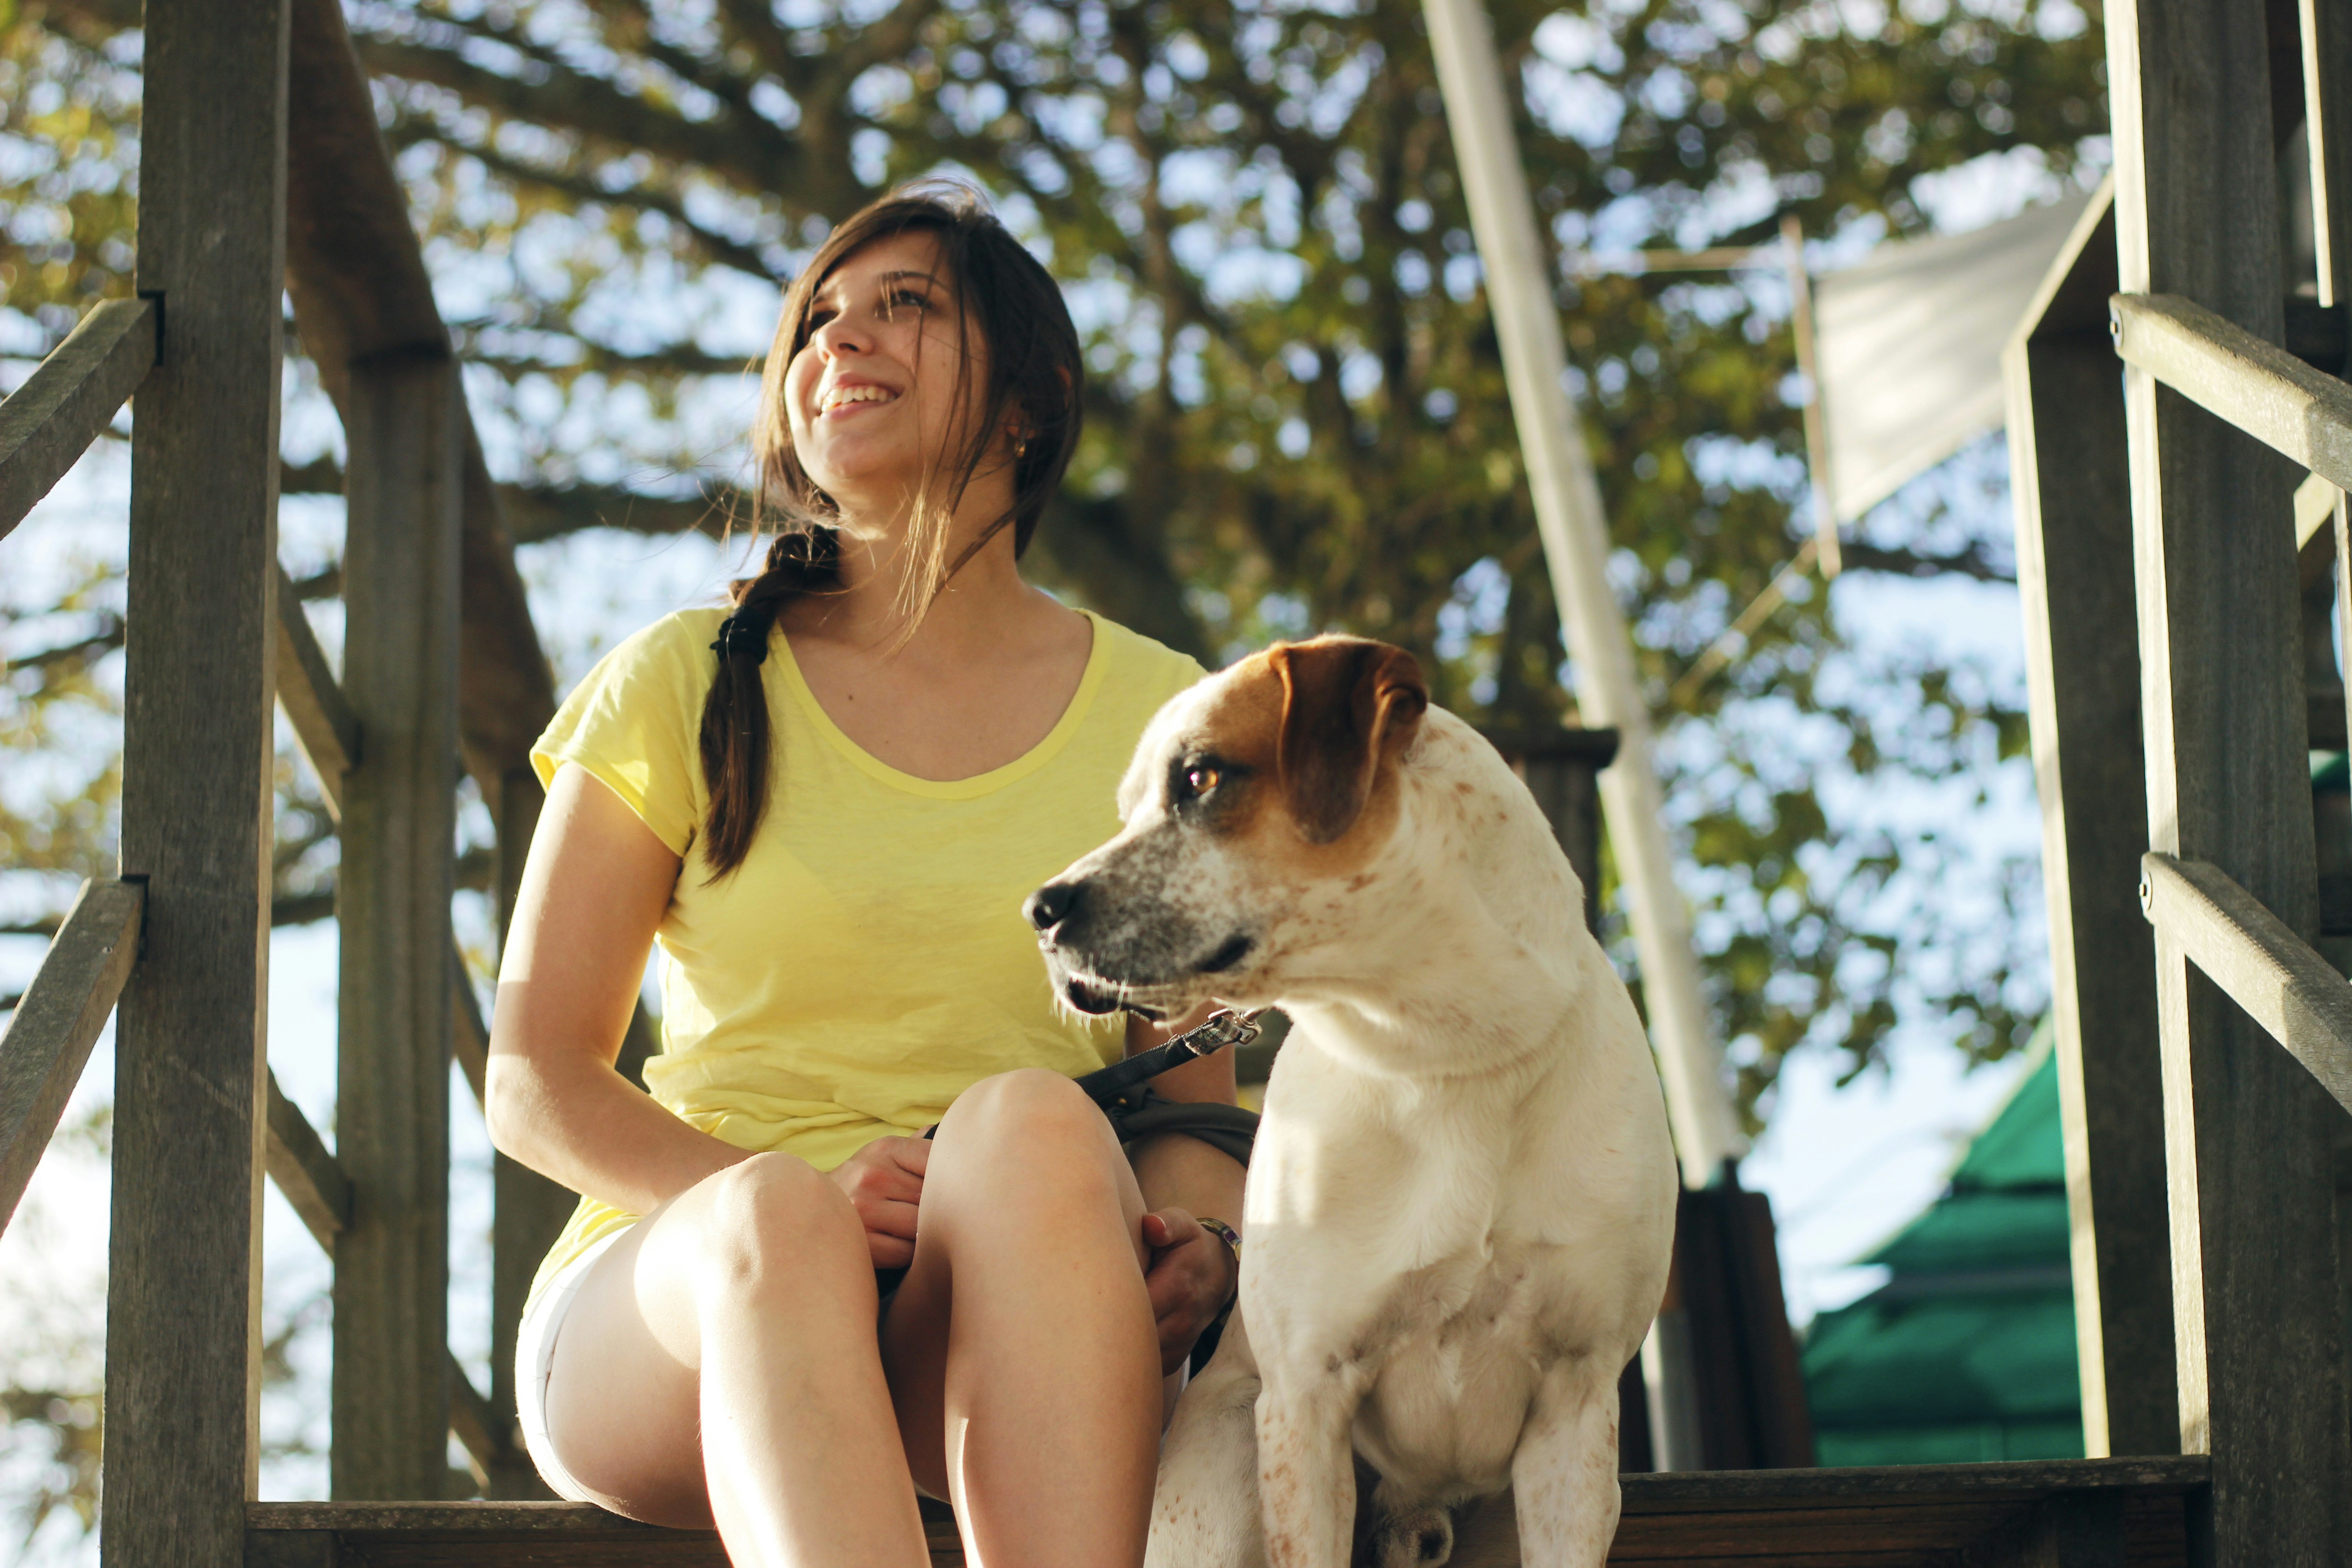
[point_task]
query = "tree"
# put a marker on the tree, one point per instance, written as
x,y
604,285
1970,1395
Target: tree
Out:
x,y
1296,412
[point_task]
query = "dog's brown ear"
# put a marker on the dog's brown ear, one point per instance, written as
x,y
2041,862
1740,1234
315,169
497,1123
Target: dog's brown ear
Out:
x,y
1348,704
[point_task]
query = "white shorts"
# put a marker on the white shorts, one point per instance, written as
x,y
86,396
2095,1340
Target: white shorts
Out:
x,y
535,1356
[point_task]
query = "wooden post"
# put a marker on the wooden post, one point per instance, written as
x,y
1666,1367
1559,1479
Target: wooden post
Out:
x,y
391,1406
183,1297
2082,664
2246,1129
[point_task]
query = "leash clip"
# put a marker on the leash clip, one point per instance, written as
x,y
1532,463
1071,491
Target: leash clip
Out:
x,y
1224,1027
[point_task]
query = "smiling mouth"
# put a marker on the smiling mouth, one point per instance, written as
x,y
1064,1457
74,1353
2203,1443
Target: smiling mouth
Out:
x,y
841,399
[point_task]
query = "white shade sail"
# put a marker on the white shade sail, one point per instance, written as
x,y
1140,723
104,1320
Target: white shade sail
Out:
x,y
1910,342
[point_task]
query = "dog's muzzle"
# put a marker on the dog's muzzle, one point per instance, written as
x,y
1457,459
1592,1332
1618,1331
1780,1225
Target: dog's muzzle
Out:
x,y
1097,975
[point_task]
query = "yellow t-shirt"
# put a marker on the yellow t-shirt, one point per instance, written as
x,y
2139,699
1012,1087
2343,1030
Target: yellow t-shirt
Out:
x,y
868,960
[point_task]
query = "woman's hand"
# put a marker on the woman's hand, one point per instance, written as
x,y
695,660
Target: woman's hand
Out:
x,y
885,1183
1192,1275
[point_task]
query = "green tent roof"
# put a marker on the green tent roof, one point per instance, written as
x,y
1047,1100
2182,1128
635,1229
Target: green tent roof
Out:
x,y
1968,1352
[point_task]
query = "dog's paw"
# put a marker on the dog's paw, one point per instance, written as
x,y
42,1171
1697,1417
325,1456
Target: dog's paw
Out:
x,y
1420,1538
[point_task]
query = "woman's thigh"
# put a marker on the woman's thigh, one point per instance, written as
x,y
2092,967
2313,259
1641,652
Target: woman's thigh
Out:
x,y
624,1392
1018,1159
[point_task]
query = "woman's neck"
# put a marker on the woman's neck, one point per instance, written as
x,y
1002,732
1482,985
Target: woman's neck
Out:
x,y
980,602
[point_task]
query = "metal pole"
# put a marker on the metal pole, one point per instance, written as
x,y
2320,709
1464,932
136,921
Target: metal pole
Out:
x,y
1817,436
1576,546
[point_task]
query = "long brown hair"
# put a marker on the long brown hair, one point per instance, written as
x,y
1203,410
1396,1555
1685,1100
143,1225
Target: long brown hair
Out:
x,y
1034,373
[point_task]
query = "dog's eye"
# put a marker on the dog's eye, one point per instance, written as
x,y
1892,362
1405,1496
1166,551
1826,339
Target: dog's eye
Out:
x,y
1201,778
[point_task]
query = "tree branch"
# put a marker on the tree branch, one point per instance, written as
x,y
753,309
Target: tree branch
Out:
x,y
410,130
1974,561
755,155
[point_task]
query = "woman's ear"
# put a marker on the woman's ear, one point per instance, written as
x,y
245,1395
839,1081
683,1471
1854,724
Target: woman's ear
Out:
x,y
1350,707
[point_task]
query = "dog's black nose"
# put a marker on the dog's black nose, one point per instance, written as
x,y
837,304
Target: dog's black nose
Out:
x,y
1050,905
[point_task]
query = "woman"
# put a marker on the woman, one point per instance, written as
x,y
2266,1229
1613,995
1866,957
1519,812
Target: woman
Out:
x,y
827,807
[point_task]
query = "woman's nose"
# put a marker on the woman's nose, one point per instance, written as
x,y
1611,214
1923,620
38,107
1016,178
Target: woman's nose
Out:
x,y
842,336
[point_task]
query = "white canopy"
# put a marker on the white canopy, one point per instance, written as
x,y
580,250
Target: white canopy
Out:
x,y
1910,341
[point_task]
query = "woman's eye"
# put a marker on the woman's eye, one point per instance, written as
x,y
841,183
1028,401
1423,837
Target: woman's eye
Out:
x,y
909,299
819,315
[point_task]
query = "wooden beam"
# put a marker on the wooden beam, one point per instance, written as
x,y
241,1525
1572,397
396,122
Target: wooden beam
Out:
x,y
184,1296
328,733
391,1403
324,725
2325,26
2082,674
469,1038
46,424
2247,1132
316,1188
2263,967
359,286
2255,385
48,1039
492,1440
313,1185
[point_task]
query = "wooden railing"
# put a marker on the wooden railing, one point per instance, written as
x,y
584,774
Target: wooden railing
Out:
x,y
49,422
57,1020
2255,385
434,572
2166,567
44,427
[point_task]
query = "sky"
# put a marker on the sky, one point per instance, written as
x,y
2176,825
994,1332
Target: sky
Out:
x,y
1844,1164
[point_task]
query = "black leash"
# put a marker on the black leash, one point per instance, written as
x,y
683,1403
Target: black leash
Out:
x,y
1224,1027
1137,1110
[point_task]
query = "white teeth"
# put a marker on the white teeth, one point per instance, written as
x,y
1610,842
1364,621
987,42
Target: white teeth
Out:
x,y
841,394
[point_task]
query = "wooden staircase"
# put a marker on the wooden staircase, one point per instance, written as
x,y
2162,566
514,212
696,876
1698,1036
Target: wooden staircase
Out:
x,y
2205,1189
2082,1513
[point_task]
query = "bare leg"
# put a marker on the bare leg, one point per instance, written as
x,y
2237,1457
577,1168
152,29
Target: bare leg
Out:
x,y
1564,1475
1020,1349
719,1366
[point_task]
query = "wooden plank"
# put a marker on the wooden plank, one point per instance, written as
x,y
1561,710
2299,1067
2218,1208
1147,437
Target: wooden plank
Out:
x,y
1836,1519
2255,385
2253,1254
2268,970
329,736
184,1246
391,1402
57,1020
323,722
2325,26
359,286
69,400
2082,666
298,1160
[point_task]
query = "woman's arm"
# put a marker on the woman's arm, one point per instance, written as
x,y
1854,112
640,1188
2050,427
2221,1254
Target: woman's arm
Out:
x,y
594,890
1185,1180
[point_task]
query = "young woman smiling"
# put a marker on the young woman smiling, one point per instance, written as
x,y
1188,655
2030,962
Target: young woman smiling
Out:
x,y
827,807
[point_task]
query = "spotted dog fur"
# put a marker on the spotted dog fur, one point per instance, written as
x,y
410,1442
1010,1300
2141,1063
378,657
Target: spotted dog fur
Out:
x,y
1461,1204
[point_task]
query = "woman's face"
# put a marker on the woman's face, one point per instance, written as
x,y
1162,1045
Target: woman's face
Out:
x,y
872,393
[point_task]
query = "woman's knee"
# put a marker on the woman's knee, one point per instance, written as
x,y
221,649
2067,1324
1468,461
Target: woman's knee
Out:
x,y
1029,1113
773,1220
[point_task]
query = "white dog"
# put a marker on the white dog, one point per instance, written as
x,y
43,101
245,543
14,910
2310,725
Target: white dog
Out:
x,y
1462,1201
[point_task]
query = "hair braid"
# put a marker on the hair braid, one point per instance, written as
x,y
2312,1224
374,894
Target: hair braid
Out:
x,y
736,741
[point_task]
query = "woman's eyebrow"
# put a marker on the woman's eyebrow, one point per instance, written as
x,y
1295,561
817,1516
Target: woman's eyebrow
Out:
x,y
905,276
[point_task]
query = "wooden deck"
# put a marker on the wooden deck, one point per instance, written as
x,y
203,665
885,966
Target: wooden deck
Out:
x,y
2082,1513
